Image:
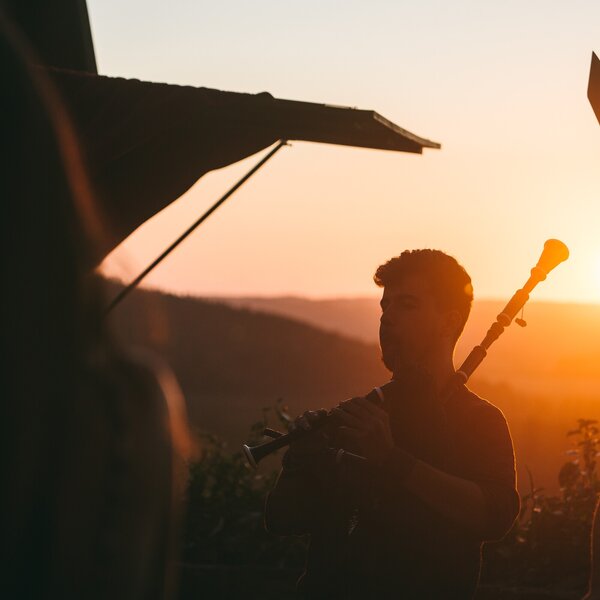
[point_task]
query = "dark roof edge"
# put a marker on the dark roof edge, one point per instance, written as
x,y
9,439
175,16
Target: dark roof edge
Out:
x,y
425,143
593,91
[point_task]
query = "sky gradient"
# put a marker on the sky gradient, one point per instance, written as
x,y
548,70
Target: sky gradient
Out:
x,y
501,85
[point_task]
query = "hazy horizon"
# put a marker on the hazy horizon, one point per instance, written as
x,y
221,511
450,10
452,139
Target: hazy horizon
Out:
x,y
317,298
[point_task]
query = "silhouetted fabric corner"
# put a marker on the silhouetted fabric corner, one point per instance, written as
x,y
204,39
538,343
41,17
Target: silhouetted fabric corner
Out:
x,y
594,85
147,143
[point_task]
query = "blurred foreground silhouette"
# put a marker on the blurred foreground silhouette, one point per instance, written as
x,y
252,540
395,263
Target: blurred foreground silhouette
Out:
x,y
91,439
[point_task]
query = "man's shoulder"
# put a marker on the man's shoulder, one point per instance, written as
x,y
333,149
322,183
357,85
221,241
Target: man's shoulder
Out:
x,y
484,432
476,407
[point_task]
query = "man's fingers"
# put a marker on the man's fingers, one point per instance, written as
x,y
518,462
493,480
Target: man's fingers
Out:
x,y
345,403
315,415
357,406
357,410
361,402
301,422
346,418
351,432
371,407
371,416
307,419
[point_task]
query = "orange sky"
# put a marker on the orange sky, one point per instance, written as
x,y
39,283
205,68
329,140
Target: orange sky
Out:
x,y
501,85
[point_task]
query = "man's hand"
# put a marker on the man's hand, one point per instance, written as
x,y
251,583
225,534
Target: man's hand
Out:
x,y
367,425
313,441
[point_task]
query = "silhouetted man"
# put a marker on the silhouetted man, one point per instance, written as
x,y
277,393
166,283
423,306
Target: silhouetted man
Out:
x,y
440,475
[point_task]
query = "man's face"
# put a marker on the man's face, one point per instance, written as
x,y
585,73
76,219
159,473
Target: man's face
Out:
x,y
412,330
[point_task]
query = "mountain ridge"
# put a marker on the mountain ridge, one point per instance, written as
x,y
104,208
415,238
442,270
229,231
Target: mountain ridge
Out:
x,y
562,340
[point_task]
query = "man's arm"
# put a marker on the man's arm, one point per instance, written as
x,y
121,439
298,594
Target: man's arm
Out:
x,y
458,499
485,501
486,505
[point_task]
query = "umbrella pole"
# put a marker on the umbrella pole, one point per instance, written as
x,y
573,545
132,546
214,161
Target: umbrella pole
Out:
x,y
125,291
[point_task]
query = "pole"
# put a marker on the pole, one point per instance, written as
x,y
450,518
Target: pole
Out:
x,y
126,290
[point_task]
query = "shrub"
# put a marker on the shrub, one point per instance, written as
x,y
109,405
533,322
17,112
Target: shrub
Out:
x,y
549,545
225,504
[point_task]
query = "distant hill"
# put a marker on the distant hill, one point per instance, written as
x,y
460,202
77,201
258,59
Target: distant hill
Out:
x,y
232,362
352,317
560,346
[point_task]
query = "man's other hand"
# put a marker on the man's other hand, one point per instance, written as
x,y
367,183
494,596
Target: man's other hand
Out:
x,y
368,425
313,439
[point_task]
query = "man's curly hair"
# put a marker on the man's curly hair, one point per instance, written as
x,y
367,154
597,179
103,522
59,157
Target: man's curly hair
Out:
x,y
450,283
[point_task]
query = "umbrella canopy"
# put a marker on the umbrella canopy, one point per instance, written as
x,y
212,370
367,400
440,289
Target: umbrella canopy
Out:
x,y
59,31
147,143
594,85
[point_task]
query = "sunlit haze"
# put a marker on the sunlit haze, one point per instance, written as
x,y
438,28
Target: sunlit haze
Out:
x,y
501,85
